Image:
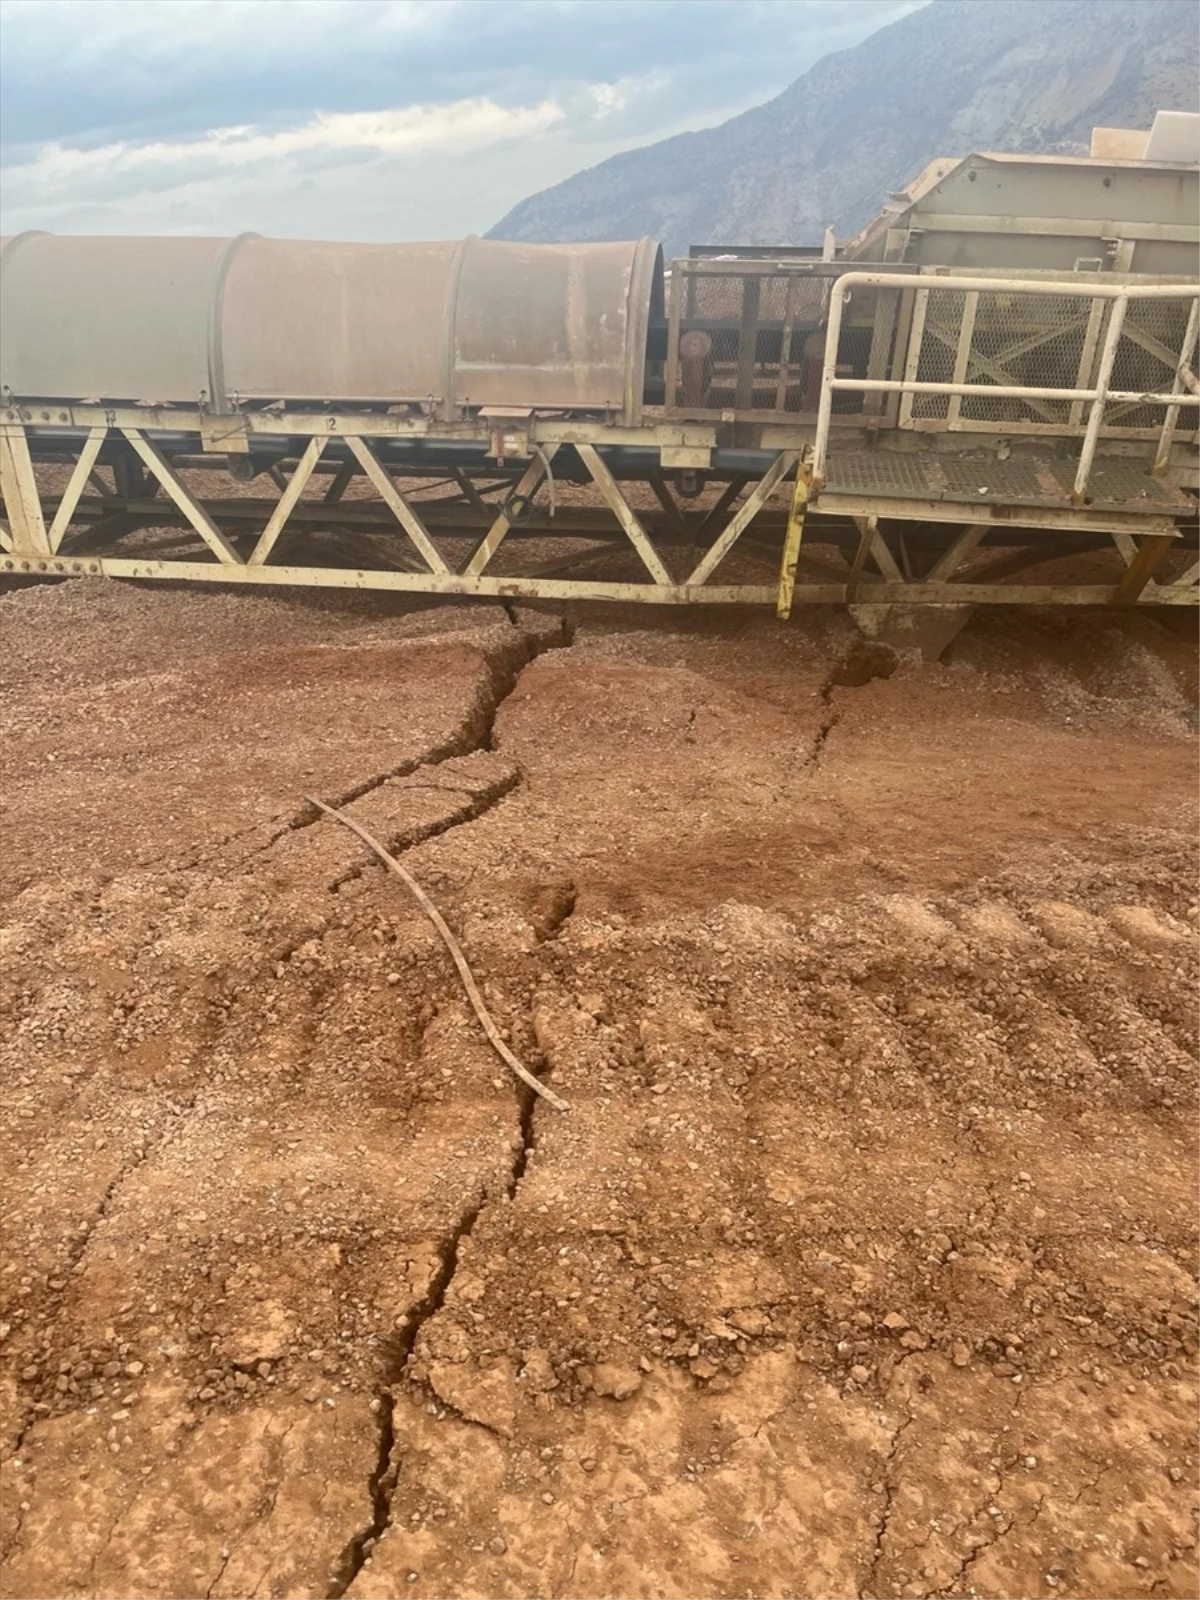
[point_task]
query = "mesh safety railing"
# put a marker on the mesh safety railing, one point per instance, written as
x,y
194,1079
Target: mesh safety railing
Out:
x,y
1031,357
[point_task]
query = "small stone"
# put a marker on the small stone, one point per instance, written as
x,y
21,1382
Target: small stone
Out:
x,y
588,1464
134,1369
497,1546
750,1320
960,1353
912,1340
894,1322
1175,1475
615,1381
703,1368
538,1370
860,1374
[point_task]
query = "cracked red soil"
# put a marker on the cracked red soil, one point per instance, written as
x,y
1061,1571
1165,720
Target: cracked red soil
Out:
x,y
863,1263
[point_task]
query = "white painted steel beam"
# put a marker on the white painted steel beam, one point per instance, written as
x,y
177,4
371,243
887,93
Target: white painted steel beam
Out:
x,y
396,503
528,484
744,515
195,513
869,593
75,485
623,512
22,501
292,490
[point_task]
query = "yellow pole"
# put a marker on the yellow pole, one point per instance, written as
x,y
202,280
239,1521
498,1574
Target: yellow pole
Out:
x,y
791,539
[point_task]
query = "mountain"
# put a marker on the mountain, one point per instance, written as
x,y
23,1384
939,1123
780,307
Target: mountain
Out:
x,y
956,76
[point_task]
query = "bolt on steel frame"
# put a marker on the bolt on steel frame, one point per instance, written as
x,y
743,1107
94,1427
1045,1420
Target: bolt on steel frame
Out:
x,y
792,492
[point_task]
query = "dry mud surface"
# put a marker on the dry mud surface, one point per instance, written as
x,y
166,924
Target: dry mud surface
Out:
x,y
863,1262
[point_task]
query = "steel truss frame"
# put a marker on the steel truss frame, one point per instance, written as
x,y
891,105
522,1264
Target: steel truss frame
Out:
x,y
76,533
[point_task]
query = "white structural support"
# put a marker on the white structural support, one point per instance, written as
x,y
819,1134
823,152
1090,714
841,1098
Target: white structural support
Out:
x,y
526,488
292,490
623,511
1185,378
396,503
187,503
742,518
844,547
75,486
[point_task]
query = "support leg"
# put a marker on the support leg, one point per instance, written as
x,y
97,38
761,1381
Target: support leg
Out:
x,y
791,540
1140,570
27,526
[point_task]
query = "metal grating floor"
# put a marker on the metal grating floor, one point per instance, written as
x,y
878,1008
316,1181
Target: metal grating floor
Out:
x,y
1038,481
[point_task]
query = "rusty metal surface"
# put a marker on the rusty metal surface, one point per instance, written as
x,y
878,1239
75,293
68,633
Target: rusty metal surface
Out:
x,y
554,325
450,326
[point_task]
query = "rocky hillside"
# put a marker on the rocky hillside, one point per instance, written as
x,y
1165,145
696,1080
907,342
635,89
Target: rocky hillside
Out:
x,y
956,76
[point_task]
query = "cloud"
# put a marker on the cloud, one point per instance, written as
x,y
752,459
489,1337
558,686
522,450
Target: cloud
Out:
x,y
368,118
460,125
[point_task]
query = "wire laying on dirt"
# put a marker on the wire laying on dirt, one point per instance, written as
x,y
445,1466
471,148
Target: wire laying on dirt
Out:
x,y
452,944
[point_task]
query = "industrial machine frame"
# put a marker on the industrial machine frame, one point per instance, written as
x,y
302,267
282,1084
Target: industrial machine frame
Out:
x,y
888,492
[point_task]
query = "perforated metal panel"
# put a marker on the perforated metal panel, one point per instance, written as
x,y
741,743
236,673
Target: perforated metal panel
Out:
x,y
1002,338
983,480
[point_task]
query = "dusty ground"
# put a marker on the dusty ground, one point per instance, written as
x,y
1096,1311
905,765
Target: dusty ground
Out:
x,y
863,1263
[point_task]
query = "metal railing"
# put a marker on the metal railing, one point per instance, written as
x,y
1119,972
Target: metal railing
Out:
x,y
1184,391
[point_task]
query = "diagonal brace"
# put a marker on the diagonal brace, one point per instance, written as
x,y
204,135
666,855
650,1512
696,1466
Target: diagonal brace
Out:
x,y
75,486
745,514
948,563
293,489
18,484
498,532
1139,571
981,363
191,508
396,503
623,511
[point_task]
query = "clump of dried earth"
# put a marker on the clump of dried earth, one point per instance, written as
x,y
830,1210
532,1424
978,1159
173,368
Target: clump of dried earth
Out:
x,y
863,1262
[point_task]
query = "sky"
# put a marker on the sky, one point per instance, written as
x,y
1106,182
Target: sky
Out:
x,y
366,119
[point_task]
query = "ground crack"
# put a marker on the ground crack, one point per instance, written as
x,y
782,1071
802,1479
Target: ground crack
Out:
x,y
398,1350
380,1486
860,664
563,900
399,1346
829,721
476,806
889,1490
504,669
41,1410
